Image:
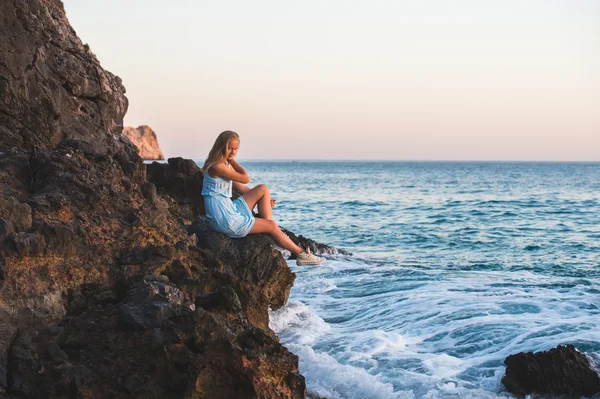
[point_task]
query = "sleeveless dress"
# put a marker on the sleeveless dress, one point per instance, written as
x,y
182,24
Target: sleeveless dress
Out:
x,y
232,218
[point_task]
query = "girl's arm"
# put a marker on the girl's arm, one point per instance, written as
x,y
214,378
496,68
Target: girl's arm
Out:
x,y
237,174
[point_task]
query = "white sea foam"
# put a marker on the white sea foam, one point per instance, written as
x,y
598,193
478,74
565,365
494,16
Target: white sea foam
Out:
x,y
298,323
425,334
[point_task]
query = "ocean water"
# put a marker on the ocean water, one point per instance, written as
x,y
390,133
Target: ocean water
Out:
x,y
455,266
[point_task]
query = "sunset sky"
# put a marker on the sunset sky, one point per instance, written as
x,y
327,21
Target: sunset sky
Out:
x,y
395,80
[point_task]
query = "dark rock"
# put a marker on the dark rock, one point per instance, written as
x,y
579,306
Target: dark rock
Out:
x,y
181,179
210,330
53,87
3,377
144,316
225,299
314,246
29,244
150,303
149,190
132,383
18,213
560,371
156,277
186,243
60,238
57,354
265,274
155,338
87,226
6,229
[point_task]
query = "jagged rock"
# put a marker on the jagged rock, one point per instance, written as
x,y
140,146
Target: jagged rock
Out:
x,y
29,244
57,354
52,86
264,272
181,179
80,228
19,214
144,138
224,298
150,303
6,229
314,246
560,371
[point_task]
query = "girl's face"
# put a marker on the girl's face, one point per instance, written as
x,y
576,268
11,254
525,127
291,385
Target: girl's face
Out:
x,y
232,148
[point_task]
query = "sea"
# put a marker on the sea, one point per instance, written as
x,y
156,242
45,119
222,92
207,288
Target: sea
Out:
x,y
453,267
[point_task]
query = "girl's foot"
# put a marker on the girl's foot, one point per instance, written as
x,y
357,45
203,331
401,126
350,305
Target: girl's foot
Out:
x,y
306,258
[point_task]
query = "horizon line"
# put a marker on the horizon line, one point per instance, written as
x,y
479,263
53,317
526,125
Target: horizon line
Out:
x,y
399,160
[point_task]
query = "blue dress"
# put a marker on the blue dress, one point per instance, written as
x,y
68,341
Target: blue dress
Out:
x,y
233,218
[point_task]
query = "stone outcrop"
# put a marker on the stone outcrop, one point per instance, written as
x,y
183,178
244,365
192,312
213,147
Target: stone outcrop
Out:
x,y
105,292
182,179
52,87
561,371
144,138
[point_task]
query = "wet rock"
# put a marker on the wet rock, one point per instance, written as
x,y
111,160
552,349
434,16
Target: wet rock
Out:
x,y
560,371
314,246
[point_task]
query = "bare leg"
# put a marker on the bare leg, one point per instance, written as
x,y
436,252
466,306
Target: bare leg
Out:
x,y
269,226
262,196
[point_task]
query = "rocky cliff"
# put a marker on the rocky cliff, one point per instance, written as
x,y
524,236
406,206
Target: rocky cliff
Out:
x,y
105,291
144,138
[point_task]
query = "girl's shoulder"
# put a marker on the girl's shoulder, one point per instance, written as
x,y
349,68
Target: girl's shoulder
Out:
x,y
215,170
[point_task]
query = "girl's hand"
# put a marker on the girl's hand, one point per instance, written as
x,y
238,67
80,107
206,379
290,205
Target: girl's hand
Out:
x,y
273,202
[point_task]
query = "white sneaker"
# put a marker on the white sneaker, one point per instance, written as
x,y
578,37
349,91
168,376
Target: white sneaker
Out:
x,y
306,258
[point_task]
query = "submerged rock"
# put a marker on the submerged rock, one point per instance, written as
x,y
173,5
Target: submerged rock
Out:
x,y
314,246
144,138
560,371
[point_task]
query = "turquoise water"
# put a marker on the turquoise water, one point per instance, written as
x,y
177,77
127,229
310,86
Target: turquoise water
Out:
x,y
455,266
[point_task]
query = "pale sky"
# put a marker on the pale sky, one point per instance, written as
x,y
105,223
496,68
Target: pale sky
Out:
x,y
329,79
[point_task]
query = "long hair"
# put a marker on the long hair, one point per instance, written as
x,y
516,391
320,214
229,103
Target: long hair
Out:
x,y
219,150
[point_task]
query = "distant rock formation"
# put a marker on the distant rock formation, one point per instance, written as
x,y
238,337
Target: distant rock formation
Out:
x,y
145,140
561,371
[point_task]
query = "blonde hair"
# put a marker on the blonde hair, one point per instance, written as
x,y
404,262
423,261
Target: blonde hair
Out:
x,y
219,150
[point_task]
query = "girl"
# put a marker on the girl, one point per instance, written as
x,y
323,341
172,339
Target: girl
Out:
x,y
234,218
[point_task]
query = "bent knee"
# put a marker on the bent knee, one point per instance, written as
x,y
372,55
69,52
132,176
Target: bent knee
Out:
x,y
272,226
263,188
